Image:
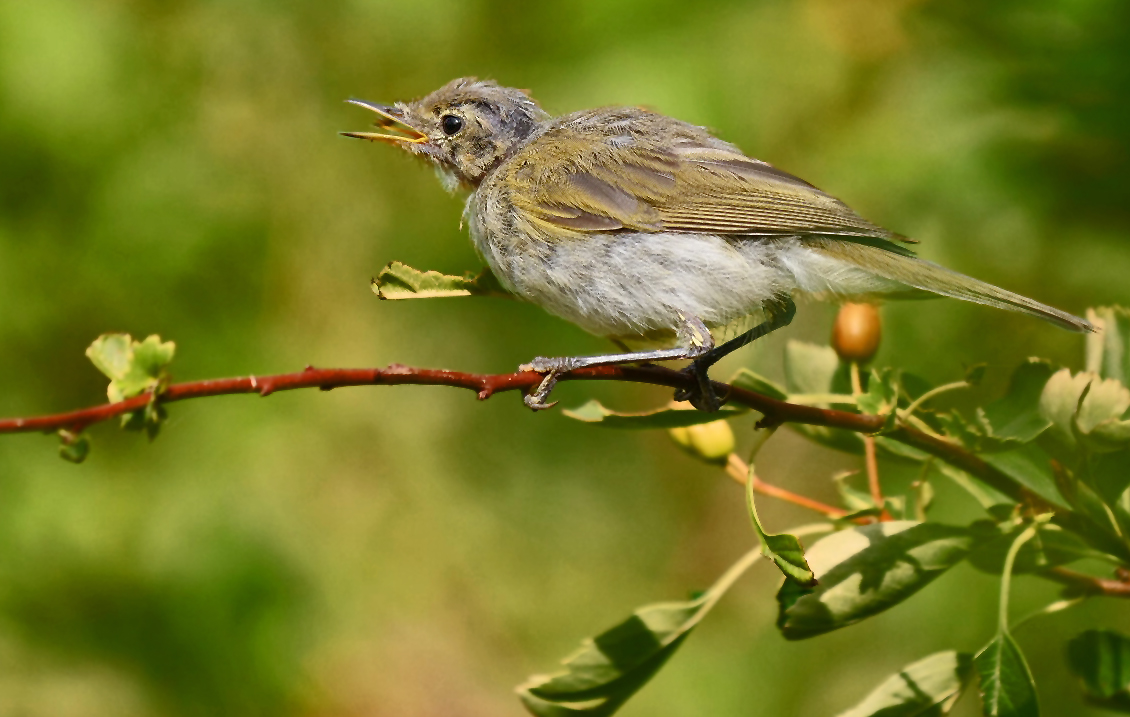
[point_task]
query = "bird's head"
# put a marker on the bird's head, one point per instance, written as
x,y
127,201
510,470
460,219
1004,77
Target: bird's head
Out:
x,y
466,128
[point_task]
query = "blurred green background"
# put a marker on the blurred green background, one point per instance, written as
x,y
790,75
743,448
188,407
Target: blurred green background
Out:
x,y
173,167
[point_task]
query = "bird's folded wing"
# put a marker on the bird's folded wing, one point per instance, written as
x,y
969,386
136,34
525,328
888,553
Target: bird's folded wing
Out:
x,y
700,186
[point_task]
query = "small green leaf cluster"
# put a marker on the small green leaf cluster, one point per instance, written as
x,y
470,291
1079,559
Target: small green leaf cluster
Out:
x,y
134,368
1049,462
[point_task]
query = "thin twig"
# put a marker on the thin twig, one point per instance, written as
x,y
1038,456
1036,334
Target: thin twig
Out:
x,y
870,457
738,469
1088,584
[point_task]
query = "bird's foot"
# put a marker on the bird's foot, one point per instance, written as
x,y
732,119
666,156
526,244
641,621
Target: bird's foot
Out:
x,y
552,368
702,395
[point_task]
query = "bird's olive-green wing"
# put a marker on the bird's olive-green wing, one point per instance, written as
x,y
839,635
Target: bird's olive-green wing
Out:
x,y
682,183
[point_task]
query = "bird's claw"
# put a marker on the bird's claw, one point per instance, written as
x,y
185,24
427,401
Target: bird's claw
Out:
x,y
552,368
702,395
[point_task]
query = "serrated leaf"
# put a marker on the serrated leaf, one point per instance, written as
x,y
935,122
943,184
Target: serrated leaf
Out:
x,y
664,417
1007,687
1088,503
1085,407
400,281
881,397
611,667
133,367
866,570
751,381
1108,349
783,549
1100,659
927,688
1017,416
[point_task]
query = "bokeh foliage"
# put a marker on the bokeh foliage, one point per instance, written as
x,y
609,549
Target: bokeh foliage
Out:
x,y
172,168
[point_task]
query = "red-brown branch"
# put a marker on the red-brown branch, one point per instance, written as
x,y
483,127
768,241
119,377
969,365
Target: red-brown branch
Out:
x,y
485,385
1090,584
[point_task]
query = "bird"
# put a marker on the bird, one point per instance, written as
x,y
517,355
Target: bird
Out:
x,y
653,232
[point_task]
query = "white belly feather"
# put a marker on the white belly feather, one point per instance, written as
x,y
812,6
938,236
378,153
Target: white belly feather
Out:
x,y
633,285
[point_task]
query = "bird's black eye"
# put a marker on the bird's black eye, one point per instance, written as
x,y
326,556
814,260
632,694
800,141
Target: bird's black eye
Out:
x,y
451,124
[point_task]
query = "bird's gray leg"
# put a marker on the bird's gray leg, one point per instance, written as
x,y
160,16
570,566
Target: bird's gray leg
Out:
x,y
703,397
694,341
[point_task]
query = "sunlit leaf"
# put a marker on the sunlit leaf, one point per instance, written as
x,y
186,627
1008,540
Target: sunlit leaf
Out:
x,y
1007,687
866,570
927,688
1101,661
664,417
133,367
1085,407
400,281
783,549
1108,349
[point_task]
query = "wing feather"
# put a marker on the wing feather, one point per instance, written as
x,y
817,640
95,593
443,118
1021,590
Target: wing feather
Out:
x,y
627,169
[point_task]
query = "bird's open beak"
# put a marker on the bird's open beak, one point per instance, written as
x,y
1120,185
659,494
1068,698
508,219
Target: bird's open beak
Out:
x,y
390,119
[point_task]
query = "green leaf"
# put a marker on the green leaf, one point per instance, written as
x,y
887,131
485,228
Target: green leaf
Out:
x,y
1007,687
783,549
1029,466
751,381
665,417
133,367
611,667
991,499
852,498
814,369
927,688
1110,475
1052,546
1108,350
881,397
866,570
1100,659
400,281
73,447
1016,416
975,374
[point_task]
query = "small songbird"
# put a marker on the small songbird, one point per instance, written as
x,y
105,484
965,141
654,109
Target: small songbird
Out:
x,y
651,231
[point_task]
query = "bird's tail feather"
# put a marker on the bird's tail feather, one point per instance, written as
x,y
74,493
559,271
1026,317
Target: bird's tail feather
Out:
x,y
927,276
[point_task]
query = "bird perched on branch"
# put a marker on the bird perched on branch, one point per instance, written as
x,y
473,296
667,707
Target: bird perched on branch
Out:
x,y
651,231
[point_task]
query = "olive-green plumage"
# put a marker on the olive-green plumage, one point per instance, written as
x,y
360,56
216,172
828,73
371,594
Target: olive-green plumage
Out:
x,y
635,225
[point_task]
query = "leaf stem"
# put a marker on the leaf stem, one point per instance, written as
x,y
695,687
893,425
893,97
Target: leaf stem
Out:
x,y
1009,562
933,393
